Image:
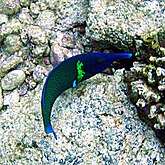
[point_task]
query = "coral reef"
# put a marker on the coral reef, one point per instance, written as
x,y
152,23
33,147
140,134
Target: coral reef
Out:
x,y
92,125
146,81
1,99
127,20
12,43
96,123
9,7
13,79
9,63
46,19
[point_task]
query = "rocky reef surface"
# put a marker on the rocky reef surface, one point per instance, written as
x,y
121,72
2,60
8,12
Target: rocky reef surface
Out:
x,y
97,123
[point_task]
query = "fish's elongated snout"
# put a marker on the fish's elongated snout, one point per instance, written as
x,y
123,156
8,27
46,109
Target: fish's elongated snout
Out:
x,y
122,55
129,55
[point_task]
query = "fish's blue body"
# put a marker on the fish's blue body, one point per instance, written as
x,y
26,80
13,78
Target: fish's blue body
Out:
x,y
68,74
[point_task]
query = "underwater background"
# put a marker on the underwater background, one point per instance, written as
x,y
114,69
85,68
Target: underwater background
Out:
x,y
116,117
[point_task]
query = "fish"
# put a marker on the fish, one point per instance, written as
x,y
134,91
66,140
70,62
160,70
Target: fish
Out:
x,y
69,73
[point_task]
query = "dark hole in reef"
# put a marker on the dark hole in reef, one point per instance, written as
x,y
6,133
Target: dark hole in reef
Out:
x,y
97,46
160,134
124,63
79,28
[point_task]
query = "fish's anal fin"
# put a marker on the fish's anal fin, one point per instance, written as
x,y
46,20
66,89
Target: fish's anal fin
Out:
x,y
74,84
49,129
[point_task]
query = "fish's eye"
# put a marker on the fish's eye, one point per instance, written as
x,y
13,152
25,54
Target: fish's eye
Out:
x,y
100,60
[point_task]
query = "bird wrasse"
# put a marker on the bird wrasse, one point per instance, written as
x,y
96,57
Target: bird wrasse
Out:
x,y
68,74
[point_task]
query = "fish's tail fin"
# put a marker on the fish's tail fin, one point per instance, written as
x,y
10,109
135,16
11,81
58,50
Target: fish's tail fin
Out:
x,y
49,129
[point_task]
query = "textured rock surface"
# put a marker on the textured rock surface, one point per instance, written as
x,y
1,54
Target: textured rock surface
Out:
x,y
3,18
9,7
69,13
11,98
141,23
1,98
93,127
95,123
13,79
38,39
10,27
46,19
13,44
9,63
25,2
25,16
126,19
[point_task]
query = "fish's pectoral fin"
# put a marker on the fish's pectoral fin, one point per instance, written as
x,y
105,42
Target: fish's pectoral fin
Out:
x,y
49,129
74,83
